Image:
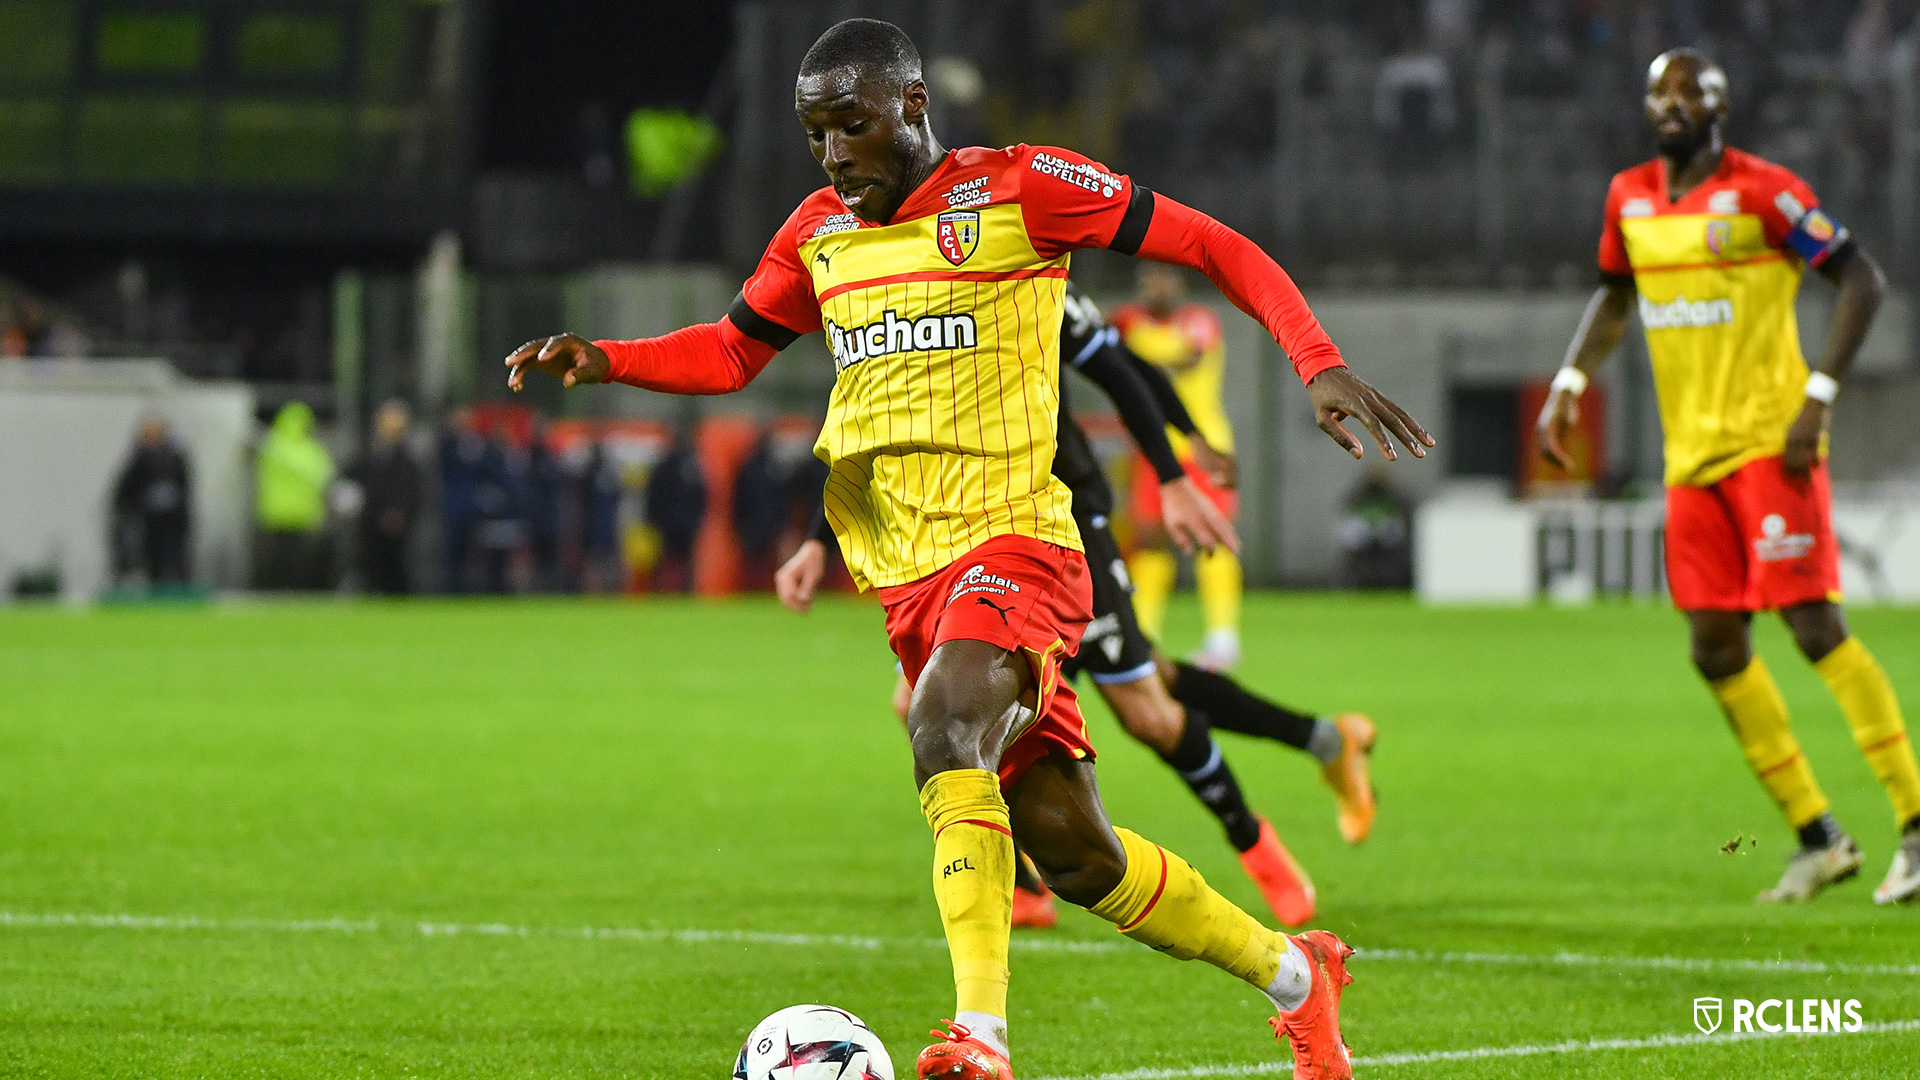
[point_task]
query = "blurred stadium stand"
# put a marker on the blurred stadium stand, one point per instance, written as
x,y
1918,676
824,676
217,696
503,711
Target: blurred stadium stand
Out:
x,y
344,201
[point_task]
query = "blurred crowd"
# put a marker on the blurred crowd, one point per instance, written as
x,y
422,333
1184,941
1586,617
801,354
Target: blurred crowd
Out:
x,y
31,328
492,503
1192,84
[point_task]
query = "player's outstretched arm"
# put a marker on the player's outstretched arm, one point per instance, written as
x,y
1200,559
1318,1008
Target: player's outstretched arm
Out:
x,y
1601,327
1863,285
708,358
1257,285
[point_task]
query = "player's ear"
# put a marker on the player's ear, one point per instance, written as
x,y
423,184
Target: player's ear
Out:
x,y
913,102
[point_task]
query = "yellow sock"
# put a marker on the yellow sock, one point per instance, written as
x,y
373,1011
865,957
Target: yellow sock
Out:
x,y
973,882
1873,712
1153,571
1164,903
1217,577
1759,717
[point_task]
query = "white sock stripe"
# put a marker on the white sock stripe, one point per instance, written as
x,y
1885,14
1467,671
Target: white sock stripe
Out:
x,y
1021,942
1423,1057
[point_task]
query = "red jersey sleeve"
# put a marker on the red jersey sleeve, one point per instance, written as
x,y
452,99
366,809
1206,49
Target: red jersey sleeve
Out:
x,y
1244,274
1613,244
776,306
781,290
1069,202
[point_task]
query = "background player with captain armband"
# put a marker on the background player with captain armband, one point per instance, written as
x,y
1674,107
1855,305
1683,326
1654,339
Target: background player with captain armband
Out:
x,y
1713,243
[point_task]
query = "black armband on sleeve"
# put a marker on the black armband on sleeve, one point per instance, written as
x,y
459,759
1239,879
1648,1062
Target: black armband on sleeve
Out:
x,y
757,326
1109,370
1621,280
820,530
1163,392
1133,225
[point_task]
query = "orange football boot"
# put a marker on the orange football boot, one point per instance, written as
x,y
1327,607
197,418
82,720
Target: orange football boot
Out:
x,y
1347,776
1034,910
1282,880
1319,1053
960,1056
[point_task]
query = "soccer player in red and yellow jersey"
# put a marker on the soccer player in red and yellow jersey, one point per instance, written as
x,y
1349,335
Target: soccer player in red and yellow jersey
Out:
x,y
937,277
1714,242
1186,340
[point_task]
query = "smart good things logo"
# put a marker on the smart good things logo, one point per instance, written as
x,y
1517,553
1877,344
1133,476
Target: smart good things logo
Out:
x,y
1806,1016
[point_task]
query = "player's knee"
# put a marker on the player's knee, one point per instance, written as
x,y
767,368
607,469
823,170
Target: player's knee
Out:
x,y
1721,657
943,743
1088,877
1818,629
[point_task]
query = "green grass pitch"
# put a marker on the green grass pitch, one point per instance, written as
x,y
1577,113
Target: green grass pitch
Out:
x,y
603,839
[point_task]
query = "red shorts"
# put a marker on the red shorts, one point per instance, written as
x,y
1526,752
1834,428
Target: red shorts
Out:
x,y
1146,491
1757,540
1024,595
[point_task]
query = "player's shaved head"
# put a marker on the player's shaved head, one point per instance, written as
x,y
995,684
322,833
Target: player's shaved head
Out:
x,y
1686,102
872,49
1692,63
863,104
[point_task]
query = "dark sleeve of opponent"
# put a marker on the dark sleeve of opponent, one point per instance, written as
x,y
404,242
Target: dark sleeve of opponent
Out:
x,y
1163,391
1110,370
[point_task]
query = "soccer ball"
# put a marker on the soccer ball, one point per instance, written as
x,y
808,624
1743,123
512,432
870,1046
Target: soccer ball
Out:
x,y
813,1042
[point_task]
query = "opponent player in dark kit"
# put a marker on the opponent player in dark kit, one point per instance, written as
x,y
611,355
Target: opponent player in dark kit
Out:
x,y
940,296
1168,705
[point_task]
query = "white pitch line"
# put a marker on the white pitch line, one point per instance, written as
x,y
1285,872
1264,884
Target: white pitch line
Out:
x,y
1427,1057
1673,963
1021,943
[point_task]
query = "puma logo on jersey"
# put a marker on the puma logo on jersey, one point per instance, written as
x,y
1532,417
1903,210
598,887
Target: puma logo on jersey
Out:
x,y
1003,612
825,258
893,334
1681,313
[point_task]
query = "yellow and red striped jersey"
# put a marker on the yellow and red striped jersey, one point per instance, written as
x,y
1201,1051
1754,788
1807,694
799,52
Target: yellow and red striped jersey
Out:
x,y
1192,347
944,324
1717,272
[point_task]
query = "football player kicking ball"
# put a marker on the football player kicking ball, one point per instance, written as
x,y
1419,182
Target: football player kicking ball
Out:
x,y
1714,241
1170,706
937,278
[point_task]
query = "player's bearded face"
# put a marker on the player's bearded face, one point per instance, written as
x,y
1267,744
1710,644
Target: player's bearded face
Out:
x,y
1683,105
863,134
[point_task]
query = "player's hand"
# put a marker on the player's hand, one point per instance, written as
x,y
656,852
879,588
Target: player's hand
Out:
x,y
1222,469
1338,393
1557,417
799,576
572,359
1803,439
1193,521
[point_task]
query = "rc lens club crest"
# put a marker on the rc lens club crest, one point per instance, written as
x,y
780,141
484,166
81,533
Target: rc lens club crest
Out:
x,y
1706,1014
957,232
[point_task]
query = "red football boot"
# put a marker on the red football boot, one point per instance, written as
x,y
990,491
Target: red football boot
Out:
x,y
1034,910
960,1056
1282,880
1319,1053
